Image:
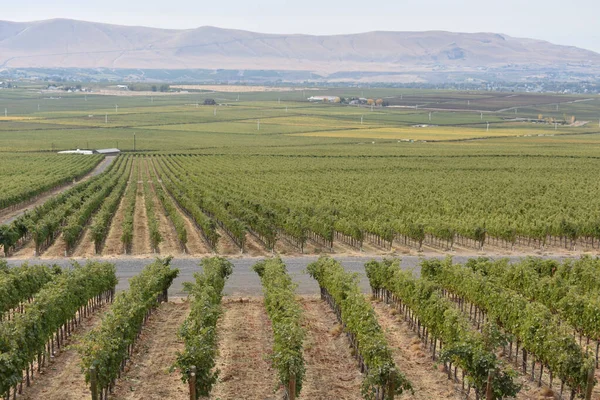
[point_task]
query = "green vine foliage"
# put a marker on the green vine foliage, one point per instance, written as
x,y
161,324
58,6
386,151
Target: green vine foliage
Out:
x,y
25,337
538,329
199,329
286,317
472,351
19,284
359,320
106,346
571,288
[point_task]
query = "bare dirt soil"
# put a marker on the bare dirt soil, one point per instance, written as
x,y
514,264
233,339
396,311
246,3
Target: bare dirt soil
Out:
x,y
147,374
63,379
56,249
413,359
85,247
254,247
245,345
141,236
331,371
113,245
225,245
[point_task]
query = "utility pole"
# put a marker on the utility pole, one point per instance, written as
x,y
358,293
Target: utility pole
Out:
x,y
38,107
429,116
481,117
488,127
215,112
361,119
116,108
133,141
6,112
106,118
258,124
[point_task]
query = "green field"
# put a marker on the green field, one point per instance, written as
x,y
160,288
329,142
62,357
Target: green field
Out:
x,y
279,164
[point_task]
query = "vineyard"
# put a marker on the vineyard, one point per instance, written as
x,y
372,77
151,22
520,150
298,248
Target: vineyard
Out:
x,y
202,204
449,334
25,176
268,181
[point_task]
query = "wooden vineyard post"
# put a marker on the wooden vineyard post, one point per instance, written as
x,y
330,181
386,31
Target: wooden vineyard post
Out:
x,y
192,383
292,388
590,385
489,394
94,383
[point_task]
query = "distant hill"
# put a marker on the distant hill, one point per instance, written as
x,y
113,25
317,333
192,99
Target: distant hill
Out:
x,y
62,43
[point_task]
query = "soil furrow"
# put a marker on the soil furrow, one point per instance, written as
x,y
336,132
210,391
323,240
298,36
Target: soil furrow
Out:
x,y
245,346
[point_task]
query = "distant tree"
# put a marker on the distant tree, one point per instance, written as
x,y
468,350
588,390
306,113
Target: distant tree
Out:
x,y
154,88
210,102
164,88
379,102
370,102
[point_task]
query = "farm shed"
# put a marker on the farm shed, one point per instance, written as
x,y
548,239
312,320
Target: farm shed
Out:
x,y
108,152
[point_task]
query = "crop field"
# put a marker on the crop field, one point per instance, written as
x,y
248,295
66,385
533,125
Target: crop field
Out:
x,y
456,332
256,176
266,173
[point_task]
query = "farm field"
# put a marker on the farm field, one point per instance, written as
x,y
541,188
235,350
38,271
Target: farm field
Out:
x,y
240,333
269,173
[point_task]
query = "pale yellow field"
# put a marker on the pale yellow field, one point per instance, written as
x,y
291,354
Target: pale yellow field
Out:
x,y
415,133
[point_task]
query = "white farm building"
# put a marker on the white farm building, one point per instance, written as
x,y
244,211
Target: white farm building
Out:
x,y
106,152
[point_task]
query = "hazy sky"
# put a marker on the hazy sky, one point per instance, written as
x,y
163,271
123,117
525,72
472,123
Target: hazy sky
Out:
x,y
574,22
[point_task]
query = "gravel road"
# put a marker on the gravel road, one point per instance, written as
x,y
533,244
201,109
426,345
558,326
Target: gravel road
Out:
x,y
243,281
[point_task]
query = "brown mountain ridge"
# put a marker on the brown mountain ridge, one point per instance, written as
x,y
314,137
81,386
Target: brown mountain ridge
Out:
x,y
62,43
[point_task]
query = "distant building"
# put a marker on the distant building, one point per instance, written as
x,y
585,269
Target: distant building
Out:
x,y
84,152
123,87
325,99
108,152
105,152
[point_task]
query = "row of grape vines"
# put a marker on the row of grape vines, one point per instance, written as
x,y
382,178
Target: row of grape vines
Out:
x,y
570,289
286,317
199,331
382,379
30,337
22,177
19,284
105,350
46,222
437,322
531,325
322,204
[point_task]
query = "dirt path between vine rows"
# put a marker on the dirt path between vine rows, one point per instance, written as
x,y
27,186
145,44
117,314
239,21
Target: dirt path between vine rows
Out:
x,y
113,245
14,212
331,371
413,359
56,249
63,379
245,345
141,236
85,247
147,374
